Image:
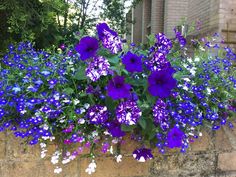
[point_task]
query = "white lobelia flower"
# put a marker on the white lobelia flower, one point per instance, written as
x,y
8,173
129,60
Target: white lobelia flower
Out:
x,y
72,157
45,137
52,138
185,65
76,101
193,71
43,154
57,170
186,79
185,87
208,90
65,161
189,60
66,100
118,158
94,134
201,48
55,157
86,105
42,145
81,121
91,168
82,110
200,133
23,112
197,59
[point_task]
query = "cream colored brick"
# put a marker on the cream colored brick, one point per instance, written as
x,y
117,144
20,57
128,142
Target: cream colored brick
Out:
x,y
107,167
227,161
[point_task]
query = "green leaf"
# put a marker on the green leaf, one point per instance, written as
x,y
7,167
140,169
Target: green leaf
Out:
x,y
114,59
142,123
137,82
117,70
80,74
150,99
151,39
68,91
110,104
150,130
127,128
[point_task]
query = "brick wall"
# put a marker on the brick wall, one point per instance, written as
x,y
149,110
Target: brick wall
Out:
x,y
213,155
227,21
163,15
157,16
146,19
206,12
173,13
136,34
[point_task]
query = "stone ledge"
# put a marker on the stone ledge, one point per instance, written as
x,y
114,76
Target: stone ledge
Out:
x,y
108,167
227,161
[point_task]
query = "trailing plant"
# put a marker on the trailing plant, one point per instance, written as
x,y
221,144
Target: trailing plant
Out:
x,y
102,89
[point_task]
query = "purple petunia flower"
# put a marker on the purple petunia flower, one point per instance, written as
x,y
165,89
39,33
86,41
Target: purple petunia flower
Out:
x,y
128,112
160,114
97,114
163,44
117,88
158,62
115,130
87,47
101,27
97,68
109,38
175,137
132,62
161,83
180,38
142,154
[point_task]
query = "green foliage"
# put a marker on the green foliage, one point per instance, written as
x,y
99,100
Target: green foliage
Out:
x,y
46,22
114,11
